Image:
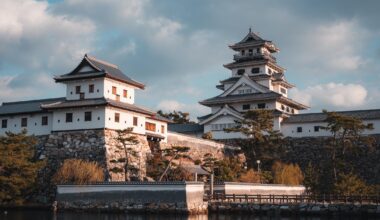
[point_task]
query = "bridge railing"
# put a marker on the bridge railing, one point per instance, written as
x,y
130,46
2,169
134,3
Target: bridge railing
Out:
x,y
296,199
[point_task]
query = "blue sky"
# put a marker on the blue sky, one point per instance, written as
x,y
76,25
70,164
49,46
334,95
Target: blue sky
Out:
x,y
331,49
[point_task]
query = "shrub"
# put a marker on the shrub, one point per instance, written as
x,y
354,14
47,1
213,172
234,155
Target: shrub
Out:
x,y
350,184
288,174
80,172
250,177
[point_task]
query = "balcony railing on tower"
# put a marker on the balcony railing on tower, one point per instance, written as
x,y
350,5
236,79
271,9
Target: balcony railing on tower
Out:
x,y
254,56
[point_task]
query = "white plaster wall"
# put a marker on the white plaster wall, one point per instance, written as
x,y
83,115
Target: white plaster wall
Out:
x,y
34,127
126,120
290,129
227,86
226,119
278,107
84,84
266,82
108,83
263,189
158,128
268,105
60,124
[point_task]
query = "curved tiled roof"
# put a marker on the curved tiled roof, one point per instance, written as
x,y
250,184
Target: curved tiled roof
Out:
x,y
96,102
31,106
320,117
101,69
240,98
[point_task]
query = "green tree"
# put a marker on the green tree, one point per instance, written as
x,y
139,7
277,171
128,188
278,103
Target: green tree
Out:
x,y
126,141
262,142
177,117
18,167
171,154
346,136
228,169
76,171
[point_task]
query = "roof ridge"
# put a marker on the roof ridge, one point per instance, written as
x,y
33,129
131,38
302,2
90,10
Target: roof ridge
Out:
x,y
29,101
101,61
321,113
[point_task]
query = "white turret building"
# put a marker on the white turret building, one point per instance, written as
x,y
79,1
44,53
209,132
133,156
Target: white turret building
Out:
x,y
256,82
98,96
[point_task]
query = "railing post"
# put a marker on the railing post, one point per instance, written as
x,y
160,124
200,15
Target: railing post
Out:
x,y
233,197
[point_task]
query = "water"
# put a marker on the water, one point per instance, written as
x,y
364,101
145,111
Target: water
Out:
x,y
48,215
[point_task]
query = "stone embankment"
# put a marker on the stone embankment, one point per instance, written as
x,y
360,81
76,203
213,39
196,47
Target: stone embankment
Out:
x,y
296,209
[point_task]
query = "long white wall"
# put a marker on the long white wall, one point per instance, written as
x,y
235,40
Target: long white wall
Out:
x,y
34,124
78,122
291,129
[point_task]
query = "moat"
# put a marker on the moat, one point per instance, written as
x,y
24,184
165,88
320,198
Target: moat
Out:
x,y
48,215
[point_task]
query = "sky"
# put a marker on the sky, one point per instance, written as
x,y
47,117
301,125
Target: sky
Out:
x,y
330,49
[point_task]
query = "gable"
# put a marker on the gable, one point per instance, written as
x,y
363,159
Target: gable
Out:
x,y
86,68
244,89
224,111
245,81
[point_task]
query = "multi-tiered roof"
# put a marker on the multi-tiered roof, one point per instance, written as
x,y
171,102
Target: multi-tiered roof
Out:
x,y
254,68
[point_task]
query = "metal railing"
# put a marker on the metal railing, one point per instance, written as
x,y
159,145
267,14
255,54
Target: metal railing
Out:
x,y
296,199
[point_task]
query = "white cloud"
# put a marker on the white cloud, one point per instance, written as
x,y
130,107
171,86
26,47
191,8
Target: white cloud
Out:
x,y
335,95
173,105
330,48
33,38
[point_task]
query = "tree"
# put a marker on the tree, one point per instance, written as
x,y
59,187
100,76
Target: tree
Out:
x,y
262,141
250,177
19,167
125,141
288,174
177,117
228,169
173,153
350,184
346,135
76,171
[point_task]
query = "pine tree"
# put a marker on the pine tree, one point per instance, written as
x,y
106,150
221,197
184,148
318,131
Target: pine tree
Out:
x,y
126,141
18,167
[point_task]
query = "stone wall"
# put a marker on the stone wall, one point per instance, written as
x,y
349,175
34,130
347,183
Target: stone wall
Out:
x,y
101,146
198,146
178,197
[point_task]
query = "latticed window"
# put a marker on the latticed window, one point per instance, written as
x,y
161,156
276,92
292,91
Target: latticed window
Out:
x,y
221,127
150,126
69,117
125,93
114,90
91,88
24,122
77,89
117,117
44,120
135,121
87,116
162,129
4,123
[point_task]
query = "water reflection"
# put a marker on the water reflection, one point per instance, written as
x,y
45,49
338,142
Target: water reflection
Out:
x,y
47,215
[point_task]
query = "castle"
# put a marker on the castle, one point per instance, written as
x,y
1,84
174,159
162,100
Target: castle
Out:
x,y
258,82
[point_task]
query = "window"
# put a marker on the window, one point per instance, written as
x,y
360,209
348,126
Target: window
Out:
x,y
135,121
150,126
283,90
258,50
221,127
69,117
241,71
261,105
114,90
87,116
292,111
299,129
117,117
282,107
44,120
287,109
316,128
162,129
24,122
125,93
4,123
91,88
242,52
246,106
77,89
250,52
81,95
370,125
248,91
241,91
255,70
270,72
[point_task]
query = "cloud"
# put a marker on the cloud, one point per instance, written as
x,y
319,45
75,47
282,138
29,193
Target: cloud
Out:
x,y
173,105
332,95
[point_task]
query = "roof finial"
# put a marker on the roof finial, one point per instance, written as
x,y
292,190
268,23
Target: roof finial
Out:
x,y
250,29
